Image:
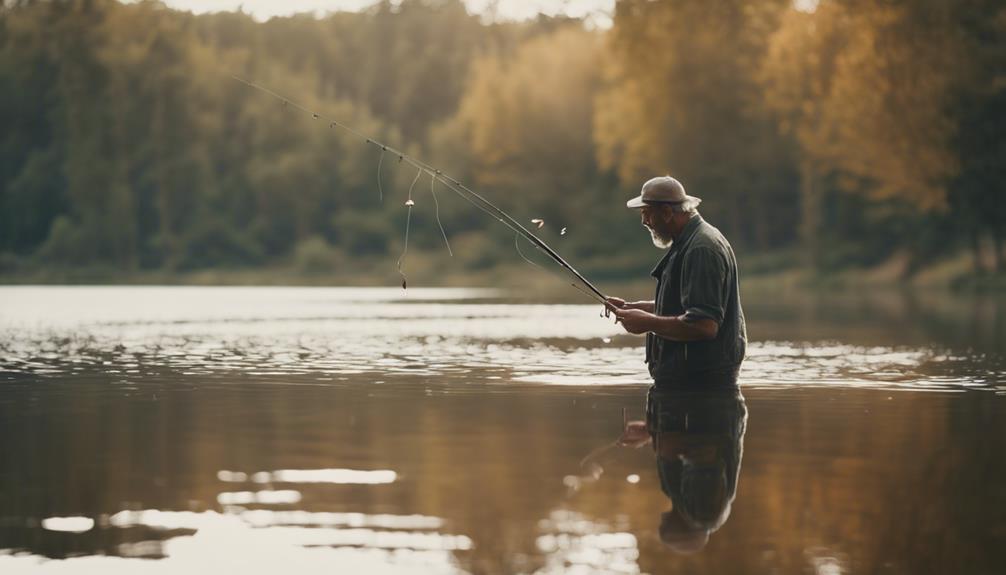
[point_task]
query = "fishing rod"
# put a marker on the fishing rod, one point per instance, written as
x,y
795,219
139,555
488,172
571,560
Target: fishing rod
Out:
x,y
452,184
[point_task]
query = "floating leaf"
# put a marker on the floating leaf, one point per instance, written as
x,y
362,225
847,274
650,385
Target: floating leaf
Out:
x,y
410,203
563,232
538,223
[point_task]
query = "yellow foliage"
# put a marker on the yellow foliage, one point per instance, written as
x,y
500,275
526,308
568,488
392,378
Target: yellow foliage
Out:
x,y
531,113
679,91
866,93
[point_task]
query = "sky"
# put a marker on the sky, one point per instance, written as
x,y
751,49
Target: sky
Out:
x,y
262,10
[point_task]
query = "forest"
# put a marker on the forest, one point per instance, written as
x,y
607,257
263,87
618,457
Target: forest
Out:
x,y
853,135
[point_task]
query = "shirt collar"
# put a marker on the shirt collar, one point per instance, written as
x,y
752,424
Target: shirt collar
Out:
x,y
682,239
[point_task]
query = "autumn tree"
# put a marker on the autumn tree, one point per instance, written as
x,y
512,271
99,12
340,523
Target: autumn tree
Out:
x,y
681,96
883,100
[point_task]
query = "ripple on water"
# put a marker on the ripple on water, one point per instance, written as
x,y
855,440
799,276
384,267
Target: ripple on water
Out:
x,y
317,333
265,537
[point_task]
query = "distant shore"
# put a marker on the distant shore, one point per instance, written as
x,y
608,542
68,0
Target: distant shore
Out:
x,y
759,272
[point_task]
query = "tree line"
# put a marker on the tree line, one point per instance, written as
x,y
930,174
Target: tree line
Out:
x,y
842,135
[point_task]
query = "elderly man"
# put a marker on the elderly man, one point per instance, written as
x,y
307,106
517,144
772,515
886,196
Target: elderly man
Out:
x,y
695,333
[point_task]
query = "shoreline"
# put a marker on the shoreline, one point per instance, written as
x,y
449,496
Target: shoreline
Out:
x,y
759,272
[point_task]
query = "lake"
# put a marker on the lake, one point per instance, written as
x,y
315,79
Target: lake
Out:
x,y
369,430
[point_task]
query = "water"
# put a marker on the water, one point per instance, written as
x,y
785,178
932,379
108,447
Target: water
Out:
x,y
270,430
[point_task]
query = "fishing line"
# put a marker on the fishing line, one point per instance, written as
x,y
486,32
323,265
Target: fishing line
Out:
x,y
516,244
408,218
489,208
433,180
380,188
452,184
495,212
583,291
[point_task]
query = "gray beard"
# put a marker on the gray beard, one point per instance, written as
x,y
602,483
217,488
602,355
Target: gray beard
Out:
x,y
659,241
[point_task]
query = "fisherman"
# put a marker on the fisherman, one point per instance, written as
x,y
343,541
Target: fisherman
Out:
x,y
694,327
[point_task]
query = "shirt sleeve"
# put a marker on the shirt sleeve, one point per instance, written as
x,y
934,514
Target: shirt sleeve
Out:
x,y
703,285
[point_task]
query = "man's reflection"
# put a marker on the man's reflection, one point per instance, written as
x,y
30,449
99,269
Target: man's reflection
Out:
x,y
698,439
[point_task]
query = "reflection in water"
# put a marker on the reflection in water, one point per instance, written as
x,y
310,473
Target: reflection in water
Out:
x,y
356,431
572,543
698,438
68,524
342,476
267,538
265,497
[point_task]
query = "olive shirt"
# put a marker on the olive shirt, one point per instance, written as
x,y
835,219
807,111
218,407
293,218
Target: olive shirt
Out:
x,y
697,279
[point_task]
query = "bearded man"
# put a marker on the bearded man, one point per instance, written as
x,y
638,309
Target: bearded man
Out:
x,y
695,332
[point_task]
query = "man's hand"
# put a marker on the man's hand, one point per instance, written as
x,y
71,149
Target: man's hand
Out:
x,y
616,303
635,320
613,304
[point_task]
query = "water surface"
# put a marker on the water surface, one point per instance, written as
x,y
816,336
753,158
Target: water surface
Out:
x,y
265,430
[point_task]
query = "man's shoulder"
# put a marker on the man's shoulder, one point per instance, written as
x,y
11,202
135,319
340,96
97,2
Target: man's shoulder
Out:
x,y
709,236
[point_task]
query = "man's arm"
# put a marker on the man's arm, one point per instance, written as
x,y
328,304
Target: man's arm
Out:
x,y
703,296
675,328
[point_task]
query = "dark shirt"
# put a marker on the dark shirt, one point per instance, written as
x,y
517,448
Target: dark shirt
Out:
x,y
697,279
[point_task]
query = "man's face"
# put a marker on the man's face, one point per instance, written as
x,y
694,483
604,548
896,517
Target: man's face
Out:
x,y
658,220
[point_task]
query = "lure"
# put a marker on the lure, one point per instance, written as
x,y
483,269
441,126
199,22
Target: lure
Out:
x,y
408,219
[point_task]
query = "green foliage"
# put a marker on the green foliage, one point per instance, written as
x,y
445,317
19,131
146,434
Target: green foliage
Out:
x,y
67,243
847,134
315,255
210,243
363,234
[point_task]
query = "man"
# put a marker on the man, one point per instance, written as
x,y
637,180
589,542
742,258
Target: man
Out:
x,y
694,327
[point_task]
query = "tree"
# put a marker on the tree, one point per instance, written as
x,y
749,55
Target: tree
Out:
x,y
877,96
681,96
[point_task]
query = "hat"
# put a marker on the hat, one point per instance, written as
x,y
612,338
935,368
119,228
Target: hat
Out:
x,y
662,190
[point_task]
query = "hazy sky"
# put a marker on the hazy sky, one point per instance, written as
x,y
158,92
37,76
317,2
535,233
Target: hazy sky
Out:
x,y
506,9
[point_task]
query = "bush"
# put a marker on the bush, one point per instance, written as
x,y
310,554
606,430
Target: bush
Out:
x,y
215,244
315,255
65,244
9,262
362,233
